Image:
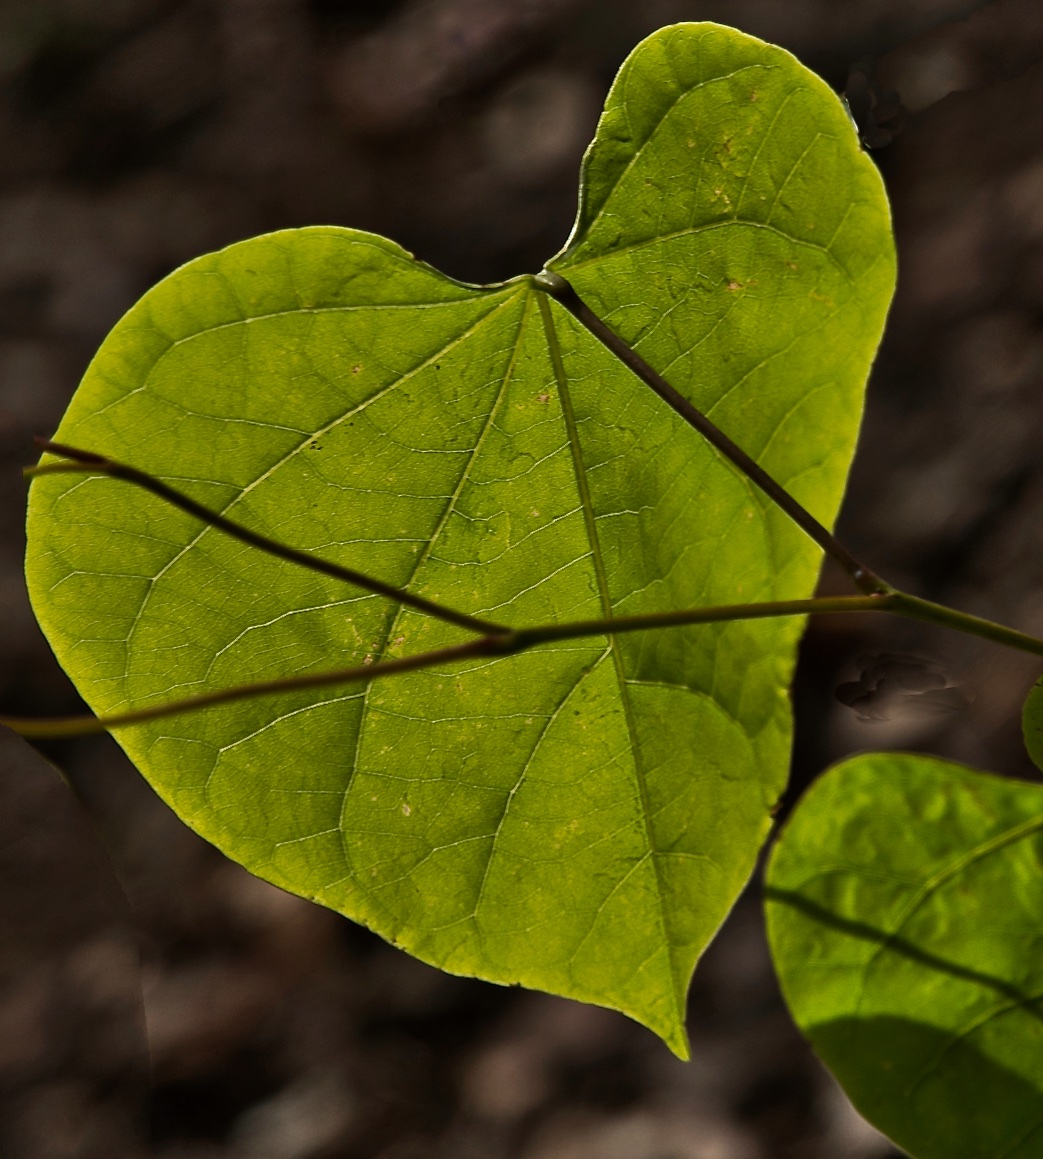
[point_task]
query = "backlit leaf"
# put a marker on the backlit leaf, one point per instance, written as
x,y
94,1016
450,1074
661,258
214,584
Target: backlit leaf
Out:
x,y
580,818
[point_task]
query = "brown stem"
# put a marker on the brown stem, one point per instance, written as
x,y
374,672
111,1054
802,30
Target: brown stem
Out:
x,y
49,729
89,463
525,638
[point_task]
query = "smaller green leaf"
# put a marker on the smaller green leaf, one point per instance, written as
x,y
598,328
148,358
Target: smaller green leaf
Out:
x,y
1032,723
903,905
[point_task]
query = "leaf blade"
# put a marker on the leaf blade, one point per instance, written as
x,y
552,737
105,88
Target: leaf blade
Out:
x,y
579,818
901,899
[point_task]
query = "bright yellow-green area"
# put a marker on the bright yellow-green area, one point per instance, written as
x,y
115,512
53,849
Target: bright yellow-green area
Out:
x,y
578,819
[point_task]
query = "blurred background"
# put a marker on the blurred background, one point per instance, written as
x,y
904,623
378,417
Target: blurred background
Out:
x,y
137,134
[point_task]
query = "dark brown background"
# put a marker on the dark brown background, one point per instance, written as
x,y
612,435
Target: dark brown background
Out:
x,y
136,134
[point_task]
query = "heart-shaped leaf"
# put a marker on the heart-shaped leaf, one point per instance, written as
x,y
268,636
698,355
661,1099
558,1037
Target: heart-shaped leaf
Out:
x,y
903,905
580,818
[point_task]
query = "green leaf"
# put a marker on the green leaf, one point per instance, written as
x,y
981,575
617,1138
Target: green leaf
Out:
x,y
580,818
903,905
1032,723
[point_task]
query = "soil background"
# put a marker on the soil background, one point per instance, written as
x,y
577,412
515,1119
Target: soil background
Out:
x,y
137,134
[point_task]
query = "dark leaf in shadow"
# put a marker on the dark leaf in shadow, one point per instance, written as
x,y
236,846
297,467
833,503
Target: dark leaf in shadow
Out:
x,y
968,1109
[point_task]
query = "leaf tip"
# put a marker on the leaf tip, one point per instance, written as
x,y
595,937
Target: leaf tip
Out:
x,y
679,1044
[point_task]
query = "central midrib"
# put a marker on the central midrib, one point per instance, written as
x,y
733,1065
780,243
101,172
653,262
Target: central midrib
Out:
x,y
606,606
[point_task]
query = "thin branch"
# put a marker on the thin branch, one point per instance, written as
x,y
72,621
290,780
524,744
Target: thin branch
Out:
x,y
89,463
511,643
66,726
524,638
488,646
563,293
914,608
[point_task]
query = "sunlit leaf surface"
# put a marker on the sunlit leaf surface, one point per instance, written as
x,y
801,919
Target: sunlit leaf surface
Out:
x,y
578,819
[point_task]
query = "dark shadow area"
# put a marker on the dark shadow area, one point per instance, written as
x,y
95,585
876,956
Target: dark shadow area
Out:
x,y
938,1098
73,1058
